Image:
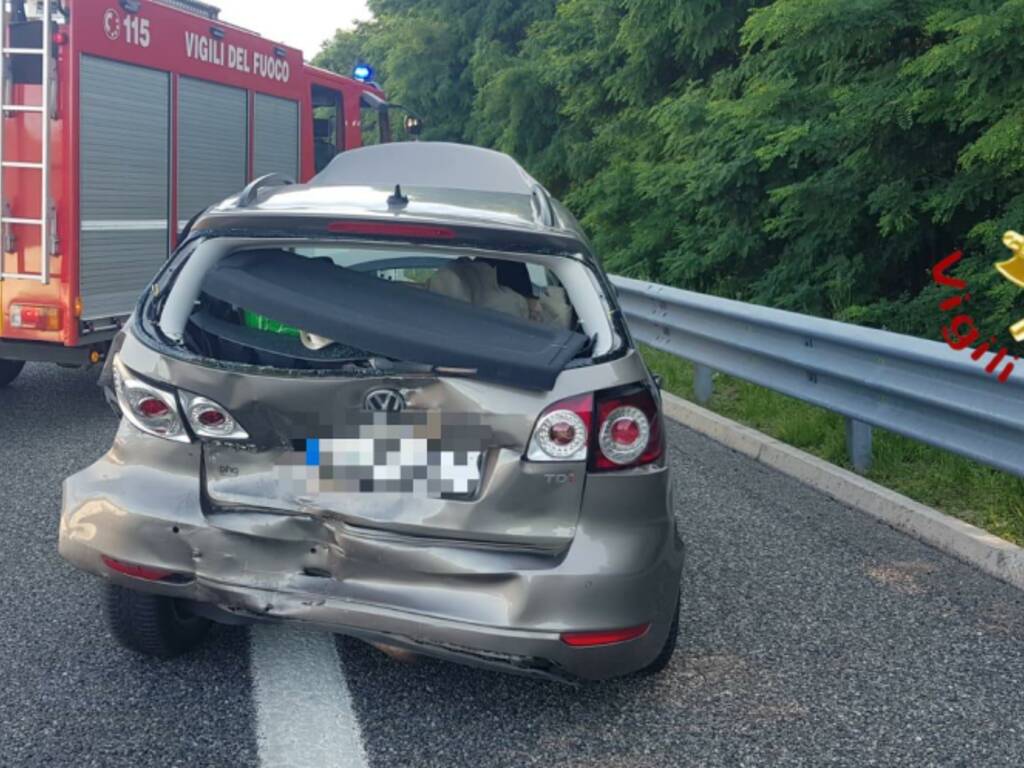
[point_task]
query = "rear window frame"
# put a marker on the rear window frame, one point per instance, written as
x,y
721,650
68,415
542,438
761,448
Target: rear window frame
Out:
x,y
145,321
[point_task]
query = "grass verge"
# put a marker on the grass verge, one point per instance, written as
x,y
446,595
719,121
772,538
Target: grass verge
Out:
x,y
985,497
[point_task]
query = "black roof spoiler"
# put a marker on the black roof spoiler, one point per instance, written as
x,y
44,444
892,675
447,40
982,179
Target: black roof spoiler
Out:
x,y
237,222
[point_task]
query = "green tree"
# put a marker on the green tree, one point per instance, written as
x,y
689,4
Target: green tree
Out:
x,y
817,155
423,53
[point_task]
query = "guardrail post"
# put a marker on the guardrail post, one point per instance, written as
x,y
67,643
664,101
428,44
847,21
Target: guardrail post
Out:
x,y
858,444
703,386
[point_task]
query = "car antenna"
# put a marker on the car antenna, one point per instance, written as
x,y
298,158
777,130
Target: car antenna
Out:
x,y
397,199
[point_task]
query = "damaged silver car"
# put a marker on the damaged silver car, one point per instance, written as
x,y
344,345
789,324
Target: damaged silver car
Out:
x,y
398,402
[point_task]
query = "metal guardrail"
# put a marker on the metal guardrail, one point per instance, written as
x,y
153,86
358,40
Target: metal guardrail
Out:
x,y
921,389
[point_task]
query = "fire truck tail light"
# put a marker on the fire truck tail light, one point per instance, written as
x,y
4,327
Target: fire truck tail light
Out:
x,y
59,38
35,317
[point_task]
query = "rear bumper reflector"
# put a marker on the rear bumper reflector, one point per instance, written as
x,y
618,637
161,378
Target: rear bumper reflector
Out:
x,y
605,637
142,572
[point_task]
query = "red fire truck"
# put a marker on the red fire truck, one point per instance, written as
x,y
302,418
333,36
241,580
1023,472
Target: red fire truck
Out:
x,y
121,119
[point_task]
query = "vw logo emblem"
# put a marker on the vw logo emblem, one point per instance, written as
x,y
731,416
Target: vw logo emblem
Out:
x,y
386,400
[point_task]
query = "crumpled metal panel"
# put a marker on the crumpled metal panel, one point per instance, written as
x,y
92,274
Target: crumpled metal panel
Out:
x,y
496,605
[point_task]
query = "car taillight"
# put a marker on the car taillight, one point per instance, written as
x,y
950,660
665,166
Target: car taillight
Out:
x,y
624,424
562,432
155,411
628,429
148,407
35,317
153,408
210,419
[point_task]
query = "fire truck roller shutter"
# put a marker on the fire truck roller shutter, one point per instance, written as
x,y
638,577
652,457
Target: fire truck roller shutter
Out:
x,y
123,183
275,136
213,141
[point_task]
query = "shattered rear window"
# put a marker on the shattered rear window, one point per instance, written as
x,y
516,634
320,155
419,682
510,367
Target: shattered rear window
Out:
x,y
319,306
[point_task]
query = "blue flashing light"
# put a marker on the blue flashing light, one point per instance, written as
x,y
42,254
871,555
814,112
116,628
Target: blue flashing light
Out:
x,y
362,72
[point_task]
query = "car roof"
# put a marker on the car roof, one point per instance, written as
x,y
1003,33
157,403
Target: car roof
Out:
x,y
428,164
440,182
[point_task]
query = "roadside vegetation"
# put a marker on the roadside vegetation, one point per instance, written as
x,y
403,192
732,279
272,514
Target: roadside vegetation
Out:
x,y
982,496
812,155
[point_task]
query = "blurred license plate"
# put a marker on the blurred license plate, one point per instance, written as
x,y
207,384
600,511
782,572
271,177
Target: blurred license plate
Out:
x,y
391,464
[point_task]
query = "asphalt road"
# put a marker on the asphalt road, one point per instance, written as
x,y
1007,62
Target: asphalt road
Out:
x,y
812,635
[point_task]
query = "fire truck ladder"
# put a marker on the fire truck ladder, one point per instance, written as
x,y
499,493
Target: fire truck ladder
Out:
x,y
45,222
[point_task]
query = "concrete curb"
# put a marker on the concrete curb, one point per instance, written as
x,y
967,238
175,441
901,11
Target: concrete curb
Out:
x,y
964,541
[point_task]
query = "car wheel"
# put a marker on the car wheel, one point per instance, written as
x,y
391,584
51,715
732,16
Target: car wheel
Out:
x,y
153,625
9,370
665,654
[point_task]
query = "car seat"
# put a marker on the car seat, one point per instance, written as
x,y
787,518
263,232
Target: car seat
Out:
x,y
476,282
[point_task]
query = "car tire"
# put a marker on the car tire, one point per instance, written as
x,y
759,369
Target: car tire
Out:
x,y
9,370
157,626
665,654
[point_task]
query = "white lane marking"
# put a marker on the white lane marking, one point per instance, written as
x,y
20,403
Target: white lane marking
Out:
x,y
304,715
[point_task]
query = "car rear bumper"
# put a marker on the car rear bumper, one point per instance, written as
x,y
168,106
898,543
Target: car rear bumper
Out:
x,y
486,605
528,653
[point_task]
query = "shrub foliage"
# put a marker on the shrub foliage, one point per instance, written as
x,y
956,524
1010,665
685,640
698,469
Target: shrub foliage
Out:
x,y
814,155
